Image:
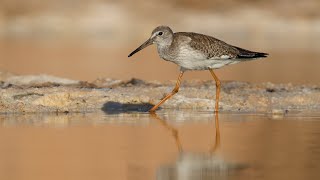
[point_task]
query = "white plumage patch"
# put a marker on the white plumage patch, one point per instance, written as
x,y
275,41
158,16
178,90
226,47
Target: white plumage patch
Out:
x,y
225,57
190,59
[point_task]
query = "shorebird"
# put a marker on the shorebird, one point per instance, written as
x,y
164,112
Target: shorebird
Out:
x,y
193,51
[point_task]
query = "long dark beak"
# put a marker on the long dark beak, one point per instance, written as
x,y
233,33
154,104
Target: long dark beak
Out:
x,y
145,44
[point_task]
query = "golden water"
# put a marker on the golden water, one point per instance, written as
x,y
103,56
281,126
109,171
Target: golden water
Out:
x,y
138,146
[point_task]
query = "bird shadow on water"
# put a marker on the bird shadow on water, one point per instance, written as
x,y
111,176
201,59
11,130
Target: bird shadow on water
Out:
x,y
112,107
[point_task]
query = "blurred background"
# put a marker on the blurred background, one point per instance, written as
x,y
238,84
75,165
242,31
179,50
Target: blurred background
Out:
x,y
85,40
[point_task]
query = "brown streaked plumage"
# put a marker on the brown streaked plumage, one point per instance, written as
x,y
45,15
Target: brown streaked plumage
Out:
x,y
213,47
193,51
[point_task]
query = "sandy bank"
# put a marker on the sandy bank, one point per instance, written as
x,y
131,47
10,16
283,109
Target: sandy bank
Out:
x,y
42,93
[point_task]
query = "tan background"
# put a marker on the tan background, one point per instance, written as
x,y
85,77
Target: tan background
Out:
x,y
89,39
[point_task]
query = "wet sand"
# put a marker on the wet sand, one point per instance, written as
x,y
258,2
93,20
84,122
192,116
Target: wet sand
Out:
x,y
36,94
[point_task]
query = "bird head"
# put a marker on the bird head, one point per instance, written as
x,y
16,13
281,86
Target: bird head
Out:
x,y
161,36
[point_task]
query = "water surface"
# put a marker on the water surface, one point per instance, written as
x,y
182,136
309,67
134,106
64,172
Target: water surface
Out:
x,y
141,146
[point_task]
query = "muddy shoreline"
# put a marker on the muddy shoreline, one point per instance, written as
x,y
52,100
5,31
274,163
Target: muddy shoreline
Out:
x,y
42,93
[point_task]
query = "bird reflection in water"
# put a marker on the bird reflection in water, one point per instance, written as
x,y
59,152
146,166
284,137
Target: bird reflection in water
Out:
x,y
195,166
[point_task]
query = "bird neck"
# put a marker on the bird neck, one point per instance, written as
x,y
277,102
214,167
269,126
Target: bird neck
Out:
x,y
163,48
164,51
165,44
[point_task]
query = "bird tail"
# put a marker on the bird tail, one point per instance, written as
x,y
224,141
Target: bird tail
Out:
x,y
246,54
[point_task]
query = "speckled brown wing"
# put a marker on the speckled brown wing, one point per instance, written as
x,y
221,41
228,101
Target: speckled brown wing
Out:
x,y
215,48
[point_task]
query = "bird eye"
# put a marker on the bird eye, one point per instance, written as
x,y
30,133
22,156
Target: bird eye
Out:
x,y
160,33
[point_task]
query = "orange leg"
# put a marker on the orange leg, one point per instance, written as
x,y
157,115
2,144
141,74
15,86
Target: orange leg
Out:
x,y
216,109
174,91
216,145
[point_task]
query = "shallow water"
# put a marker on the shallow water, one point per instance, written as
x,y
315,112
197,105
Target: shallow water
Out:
x,y
141,146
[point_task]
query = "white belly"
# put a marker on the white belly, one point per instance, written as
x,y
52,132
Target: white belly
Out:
x,y
189,59
195,64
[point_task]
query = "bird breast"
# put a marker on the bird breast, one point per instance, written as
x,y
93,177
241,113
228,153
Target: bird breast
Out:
x,y
165,53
